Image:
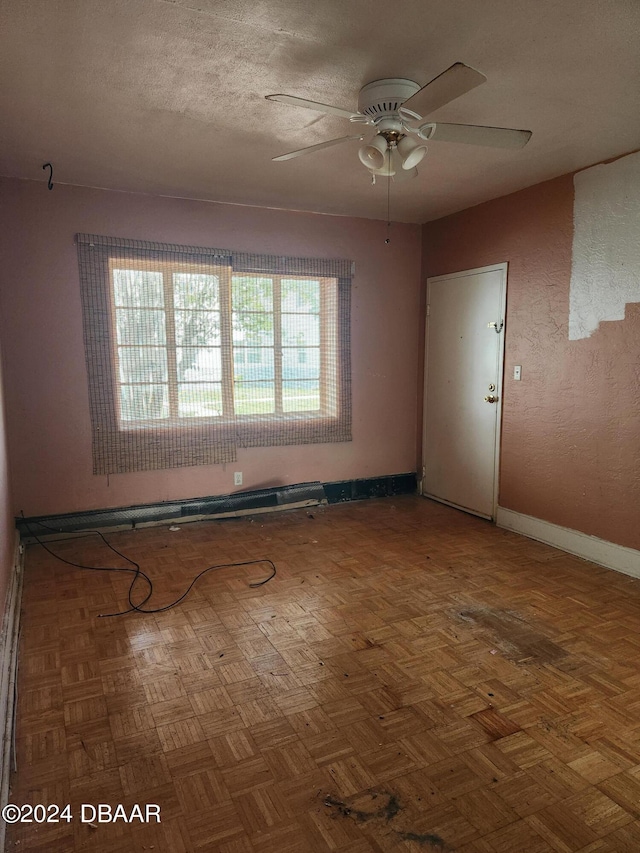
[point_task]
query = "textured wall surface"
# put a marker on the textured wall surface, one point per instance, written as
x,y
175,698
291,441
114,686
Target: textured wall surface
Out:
x,y
46,385
6,520
570,449
605,268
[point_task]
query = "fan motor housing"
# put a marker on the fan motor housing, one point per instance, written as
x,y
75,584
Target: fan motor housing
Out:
x,y
382,98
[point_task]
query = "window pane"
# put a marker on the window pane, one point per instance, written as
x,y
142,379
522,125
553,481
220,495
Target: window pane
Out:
x,y
253,329
199,364
142,364
197,328
251,293
143,402
301,396
301,363
256,364
200,400
299,330
254,398
138,288
301,295
195,291
139,326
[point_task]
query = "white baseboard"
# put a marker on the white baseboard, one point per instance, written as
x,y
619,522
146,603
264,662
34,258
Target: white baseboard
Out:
x,y
8,669
608,554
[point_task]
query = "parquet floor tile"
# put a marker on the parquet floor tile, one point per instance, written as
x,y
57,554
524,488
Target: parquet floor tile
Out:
x,y
413,679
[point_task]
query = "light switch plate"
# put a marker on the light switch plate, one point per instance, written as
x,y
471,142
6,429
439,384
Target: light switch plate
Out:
x,y
517,372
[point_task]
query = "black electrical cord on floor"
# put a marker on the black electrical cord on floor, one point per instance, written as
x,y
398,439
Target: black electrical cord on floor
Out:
x,y
138,573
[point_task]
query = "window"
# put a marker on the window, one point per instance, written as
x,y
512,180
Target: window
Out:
x,y
170,350
275,320
192,353
167,342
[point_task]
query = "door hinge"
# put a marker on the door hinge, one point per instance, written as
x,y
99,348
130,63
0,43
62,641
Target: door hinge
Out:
x,y
428,310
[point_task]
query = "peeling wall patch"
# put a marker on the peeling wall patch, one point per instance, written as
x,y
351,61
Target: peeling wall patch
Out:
x,y
605,266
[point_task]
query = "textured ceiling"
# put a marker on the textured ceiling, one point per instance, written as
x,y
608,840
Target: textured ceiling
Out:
x,y
167,96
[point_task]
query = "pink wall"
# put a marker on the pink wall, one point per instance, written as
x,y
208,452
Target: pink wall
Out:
x,y
570,452
7,527
46,386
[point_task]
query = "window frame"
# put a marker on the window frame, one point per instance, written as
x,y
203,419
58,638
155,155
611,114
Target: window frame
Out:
x,y
328,347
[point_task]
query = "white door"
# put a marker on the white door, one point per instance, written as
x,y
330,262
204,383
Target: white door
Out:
x,y
463,367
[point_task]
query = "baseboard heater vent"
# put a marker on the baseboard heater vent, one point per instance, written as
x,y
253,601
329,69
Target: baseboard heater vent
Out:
x,y
371,487
240,503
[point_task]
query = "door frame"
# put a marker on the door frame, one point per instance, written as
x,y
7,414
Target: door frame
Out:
x,y
502,267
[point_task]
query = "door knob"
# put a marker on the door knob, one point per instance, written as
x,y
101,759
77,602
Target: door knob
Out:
x,y
491,399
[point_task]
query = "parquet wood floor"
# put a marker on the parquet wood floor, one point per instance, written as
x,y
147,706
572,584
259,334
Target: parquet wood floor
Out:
x,y
414,679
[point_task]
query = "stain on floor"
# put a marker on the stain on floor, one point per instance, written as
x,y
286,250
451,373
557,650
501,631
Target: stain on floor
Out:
x,y
387,811
515,638
434,841
389,808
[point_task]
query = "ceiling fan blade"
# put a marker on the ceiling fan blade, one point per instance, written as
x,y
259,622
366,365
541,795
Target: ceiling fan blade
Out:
x,y
452,83
312,105
471,134
310,148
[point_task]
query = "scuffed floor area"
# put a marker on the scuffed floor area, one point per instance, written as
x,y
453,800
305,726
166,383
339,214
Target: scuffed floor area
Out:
x,y
413,679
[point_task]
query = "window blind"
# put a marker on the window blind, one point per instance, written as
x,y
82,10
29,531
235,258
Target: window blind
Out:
x,y
193,352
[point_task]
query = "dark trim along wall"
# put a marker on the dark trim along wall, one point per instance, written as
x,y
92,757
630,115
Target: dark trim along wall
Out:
x,y
337,492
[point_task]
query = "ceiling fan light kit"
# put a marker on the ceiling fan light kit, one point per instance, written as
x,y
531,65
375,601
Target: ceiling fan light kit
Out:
x,y
411,152
373,153
388,168
396,108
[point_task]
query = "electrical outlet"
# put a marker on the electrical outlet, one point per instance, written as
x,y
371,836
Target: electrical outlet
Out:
x,y
237,478
517,372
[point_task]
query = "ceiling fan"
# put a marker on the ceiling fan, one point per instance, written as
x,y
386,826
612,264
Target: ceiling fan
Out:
x,y
397,109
